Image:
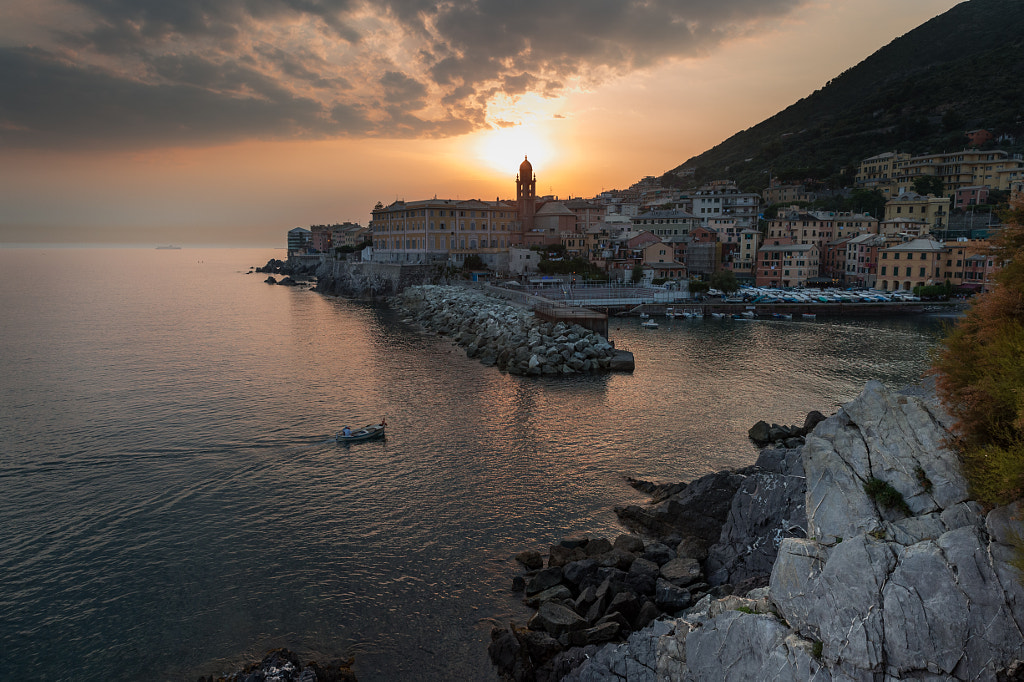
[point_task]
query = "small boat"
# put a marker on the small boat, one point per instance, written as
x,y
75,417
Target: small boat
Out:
x,y
644,316
670,313
718,316
782,316
649,324
368,432
809,316
169,247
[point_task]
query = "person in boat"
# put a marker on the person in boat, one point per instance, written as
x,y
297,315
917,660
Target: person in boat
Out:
x,y
347,432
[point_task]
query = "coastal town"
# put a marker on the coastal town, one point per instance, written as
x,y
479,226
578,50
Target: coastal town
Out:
x,y
922,221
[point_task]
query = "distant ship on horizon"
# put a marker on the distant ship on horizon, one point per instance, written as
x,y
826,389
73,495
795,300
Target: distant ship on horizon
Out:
x,y
170,246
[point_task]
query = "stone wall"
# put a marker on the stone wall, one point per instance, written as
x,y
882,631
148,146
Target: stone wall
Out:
x,y
367,279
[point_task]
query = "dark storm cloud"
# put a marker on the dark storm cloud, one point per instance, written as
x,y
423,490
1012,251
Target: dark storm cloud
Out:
x,y
59,104
139,72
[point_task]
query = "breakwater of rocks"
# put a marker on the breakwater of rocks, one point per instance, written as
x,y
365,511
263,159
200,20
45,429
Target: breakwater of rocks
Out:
x,y
510,337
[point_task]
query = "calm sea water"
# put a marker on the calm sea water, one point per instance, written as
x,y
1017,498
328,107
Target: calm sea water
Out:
x,y
172,504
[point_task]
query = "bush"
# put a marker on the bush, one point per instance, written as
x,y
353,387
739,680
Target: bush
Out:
x,y
885,495
980,372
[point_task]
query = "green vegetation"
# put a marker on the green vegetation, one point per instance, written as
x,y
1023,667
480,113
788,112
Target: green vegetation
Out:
x,y
817,649
935,291
929,184
555,260
980,372
885,495
473,262
725,281
698,287
638,273
745,609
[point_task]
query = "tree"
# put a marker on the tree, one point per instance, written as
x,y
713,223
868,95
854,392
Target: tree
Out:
x,y
980,370
473,262
638,273
698,287
929,184
725,281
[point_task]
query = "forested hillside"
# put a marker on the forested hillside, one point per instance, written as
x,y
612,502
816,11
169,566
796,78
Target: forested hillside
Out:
x,y
920,93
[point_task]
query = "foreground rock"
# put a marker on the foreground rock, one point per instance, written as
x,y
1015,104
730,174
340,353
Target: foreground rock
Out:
x,y
511,338
700,541
880,590
281,665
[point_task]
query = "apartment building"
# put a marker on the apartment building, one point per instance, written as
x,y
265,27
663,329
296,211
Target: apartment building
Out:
x,y
786,265
877,172
861,260
932,210
434,229
666,223
723,199
911,264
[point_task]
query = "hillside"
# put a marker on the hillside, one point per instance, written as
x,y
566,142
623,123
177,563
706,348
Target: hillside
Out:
x,y
920,93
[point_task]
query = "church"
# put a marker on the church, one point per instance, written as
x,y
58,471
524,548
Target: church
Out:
x,y
437,231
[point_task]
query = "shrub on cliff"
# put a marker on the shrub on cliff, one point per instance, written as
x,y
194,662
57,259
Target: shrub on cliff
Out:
x,y
980,376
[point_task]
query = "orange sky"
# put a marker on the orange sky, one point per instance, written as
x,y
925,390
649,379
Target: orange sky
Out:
x,y
132,123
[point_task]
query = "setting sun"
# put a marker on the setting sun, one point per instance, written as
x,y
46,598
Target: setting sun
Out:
x,y
503,149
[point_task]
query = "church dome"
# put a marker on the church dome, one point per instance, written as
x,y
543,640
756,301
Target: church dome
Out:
x,y
525,168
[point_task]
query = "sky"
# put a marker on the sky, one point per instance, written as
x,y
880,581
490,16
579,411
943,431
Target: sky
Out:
x,y
229,122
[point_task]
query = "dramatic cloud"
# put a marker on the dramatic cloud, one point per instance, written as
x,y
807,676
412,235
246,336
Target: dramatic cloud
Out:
x,y
153,72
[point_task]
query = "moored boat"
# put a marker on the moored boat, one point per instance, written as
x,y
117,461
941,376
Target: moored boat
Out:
x,y
649,324
809,316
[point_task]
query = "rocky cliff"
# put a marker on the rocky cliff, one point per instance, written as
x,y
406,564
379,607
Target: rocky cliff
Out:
x,y
900,576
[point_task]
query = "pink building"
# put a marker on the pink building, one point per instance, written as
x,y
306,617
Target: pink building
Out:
x,y
970,196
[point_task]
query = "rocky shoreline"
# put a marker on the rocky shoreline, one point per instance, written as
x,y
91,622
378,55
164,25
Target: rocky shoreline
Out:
x,y
282,665
795,568
509,337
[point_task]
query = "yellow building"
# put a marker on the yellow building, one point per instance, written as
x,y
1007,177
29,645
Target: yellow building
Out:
x,y
894,174
911,264
934,211
993,168
878,171
432,230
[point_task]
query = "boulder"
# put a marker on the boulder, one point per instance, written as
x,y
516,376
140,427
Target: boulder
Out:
x,y
682,571
759,433
556,619
629,543
558,593
543,580
531,559
671,598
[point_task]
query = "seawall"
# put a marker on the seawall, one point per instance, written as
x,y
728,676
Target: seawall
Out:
x,y
368,279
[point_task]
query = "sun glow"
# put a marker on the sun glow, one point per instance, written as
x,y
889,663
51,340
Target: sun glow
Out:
x,y
503,149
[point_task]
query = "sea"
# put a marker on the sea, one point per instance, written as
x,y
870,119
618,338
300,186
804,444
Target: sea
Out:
x,y
174,504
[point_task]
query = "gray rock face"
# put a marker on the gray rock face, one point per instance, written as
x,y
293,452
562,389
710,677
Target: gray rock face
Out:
x,y
870,594
894,438
698,510
767,508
